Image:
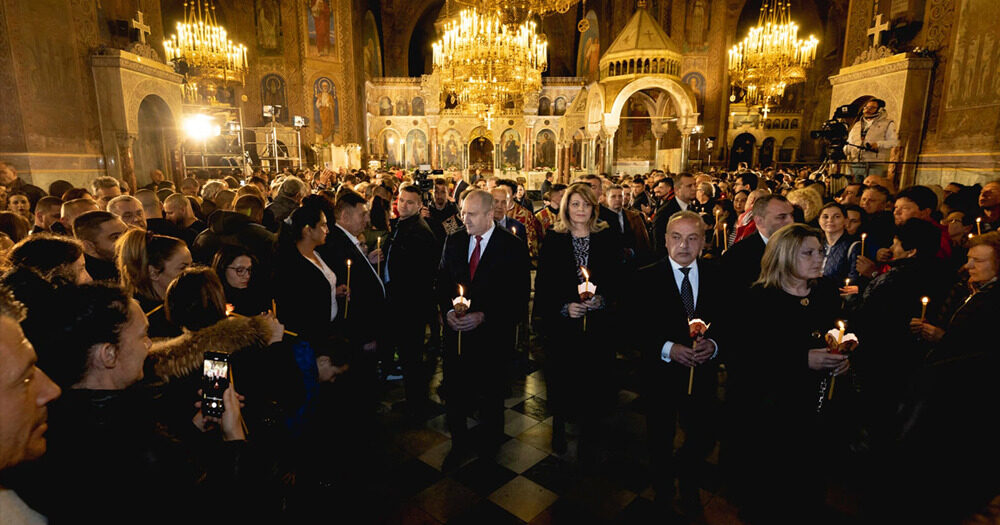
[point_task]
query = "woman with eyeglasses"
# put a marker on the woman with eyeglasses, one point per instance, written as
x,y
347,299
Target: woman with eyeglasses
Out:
x,y
236,268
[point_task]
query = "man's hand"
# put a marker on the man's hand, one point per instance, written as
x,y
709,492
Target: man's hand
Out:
x,y
594,302
424,212
821,359
703,350
343,291
467,322
883,255
576,310
376,256
277,329
683,355
864,266
925,331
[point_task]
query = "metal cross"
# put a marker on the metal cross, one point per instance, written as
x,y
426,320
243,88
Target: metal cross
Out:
x,y
142,27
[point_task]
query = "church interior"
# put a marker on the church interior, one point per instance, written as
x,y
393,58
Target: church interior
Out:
x,y
651,85
126,88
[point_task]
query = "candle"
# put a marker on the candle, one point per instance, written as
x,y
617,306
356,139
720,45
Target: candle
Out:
x,y
274,308
847,282
513,229
586,294
863,237
923,307
840,339
230,312
347,300
725,236
979,225
153,311
461,307
378,264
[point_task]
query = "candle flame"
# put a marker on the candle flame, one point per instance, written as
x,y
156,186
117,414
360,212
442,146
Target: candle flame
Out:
x,y
229,309
840,324
925,300
348,263
461,291
586,274
864,235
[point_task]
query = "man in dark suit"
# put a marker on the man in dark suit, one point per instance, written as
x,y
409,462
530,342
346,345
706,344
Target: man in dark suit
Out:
x,y
688,288
460,186
411,259
493,268
632,228
361,318
741,262
684,192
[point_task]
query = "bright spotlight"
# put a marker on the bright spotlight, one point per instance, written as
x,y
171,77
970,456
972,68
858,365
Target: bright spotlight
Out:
x,y
201,127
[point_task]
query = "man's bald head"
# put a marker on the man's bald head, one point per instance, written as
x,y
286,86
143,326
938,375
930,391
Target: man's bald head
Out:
x,y
177,209
151,205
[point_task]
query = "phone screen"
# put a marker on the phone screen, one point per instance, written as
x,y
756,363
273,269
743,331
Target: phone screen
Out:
x,y
215,381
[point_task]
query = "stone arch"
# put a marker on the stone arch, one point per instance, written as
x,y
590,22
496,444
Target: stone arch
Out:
x,y
156,138
684,101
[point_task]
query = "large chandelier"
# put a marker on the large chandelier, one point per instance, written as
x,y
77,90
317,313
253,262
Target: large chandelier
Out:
x,y
771,57
486,63
203,45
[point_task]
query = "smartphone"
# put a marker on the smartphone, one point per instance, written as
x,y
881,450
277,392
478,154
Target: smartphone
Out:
x,y
215,381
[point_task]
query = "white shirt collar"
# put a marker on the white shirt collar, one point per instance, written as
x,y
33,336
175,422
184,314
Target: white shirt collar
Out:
x,y
677,267
762,236
349,235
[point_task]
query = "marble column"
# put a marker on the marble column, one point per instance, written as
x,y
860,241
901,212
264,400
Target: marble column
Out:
x,y
433,139
125,158
527,148
609,152
685,146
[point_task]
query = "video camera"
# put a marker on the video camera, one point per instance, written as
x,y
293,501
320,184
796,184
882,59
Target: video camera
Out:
x,y
423,179
833,133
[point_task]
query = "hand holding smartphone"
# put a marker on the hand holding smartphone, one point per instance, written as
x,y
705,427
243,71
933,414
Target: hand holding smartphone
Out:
x,y
214,382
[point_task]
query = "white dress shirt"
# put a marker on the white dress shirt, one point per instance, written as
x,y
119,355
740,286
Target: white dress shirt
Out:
x,y
364,256
682,204
482,244
331,278
693,276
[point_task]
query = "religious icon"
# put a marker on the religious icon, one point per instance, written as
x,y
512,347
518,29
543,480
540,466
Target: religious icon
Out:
x,y
417,105
401,108
384,107
320,22
326,116
560,106
273,94
372,47
544,106
416,148
589,52
268,24
451,157
545,149
390,143
511,142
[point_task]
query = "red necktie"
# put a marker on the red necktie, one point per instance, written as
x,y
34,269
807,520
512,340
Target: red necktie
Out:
x,y
474,260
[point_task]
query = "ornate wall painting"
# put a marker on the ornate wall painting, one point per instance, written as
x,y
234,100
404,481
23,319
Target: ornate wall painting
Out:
x,y
545,149
384,107
267,18
559,106
401,107
697,82
326,111
972,104
510,150
272,93
371,47
635,139
451,150
416,149
417,106
589,53
390,148
322,39
697,24
544,106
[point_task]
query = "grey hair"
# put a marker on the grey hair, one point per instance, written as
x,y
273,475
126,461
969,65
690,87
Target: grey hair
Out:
x,y
292,187
104,182
212,188
686,215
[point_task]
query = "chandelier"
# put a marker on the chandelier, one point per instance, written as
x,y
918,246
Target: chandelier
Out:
x,y
487,63
204,46
771,57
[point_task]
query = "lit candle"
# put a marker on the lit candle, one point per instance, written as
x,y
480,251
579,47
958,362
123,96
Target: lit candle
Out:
x,y
347,300
923,307
979,225
378,246
840,339
863,237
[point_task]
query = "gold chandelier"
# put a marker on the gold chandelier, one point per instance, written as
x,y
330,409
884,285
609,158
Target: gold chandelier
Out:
x,y
487,63
202,44
517,11
771,57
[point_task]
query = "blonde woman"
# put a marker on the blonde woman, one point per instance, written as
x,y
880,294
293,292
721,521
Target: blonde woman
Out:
x,y
776,377
147,263
579,249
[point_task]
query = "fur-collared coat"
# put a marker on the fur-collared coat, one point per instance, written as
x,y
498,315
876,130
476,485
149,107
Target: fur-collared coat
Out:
x,y
177,357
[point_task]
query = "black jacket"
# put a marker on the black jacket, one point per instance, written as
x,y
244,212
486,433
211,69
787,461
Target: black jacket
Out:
x,y
163,227
412,258
303,295
228,228
282,207
500,290
741,262
656,307
368,298
101,270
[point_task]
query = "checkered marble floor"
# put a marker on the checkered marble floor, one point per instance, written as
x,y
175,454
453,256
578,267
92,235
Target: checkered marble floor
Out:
x,y
526,482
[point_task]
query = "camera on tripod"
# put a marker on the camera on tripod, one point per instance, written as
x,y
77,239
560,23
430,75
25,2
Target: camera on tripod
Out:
x,y
833,133
423,180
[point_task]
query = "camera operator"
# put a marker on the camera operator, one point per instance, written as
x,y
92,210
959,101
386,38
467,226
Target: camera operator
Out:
x,y
871,139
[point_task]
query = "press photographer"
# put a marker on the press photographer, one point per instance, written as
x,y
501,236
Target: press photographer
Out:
x,y
871,139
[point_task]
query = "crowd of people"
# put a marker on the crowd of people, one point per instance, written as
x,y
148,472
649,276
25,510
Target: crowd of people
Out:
x,y
811,328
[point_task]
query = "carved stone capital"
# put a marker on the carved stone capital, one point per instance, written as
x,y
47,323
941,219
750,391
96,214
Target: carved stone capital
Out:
x,y
125,140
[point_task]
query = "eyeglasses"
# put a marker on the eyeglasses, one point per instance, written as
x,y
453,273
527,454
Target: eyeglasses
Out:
x,y
240,270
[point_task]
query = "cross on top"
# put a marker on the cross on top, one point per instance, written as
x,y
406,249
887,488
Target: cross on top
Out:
x,y
142,27
649,34
879,27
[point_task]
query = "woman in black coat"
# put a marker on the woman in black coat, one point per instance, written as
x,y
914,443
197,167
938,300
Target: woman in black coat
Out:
x,y
774,381
577,332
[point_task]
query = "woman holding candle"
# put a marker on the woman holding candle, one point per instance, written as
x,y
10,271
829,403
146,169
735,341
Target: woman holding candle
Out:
x,y
235,266
774,384
577,361
950,420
